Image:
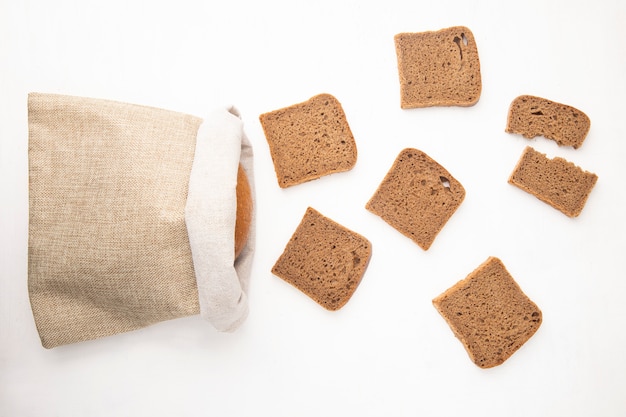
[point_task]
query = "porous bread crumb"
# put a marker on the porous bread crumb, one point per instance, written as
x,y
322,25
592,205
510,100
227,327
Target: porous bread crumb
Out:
x,y
438,68
417,197
309,140
489,313
532,116
556,182
324,260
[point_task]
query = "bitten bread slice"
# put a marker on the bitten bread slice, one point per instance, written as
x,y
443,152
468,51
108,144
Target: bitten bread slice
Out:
x,y
489,314
557,182
309,140
438,68
324,260
417,197
532,116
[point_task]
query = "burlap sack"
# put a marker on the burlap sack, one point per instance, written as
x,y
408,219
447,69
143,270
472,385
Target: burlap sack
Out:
x,y
131,218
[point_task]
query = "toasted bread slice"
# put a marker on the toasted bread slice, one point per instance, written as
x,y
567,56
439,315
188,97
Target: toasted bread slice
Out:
x,y
309,140
438,68
532,116
324,260
489,313
417,197
557,182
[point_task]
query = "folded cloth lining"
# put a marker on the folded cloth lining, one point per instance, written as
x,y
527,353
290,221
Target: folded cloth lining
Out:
x,y
210,215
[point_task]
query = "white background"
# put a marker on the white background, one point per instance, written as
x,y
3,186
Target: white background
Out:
x,y
387,352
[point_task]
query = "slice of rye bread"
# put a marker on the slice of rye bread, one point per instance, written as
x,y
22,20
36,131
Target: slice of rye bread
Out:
x,y
324,260
557,182
438,68
309,140
489,313
532,116
417,197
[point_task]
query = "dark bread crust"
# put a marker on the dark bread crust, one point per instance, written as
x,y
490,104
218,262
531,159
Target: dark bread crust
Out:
x,y
533,116
556,182
438,68
324,260
417,197
309,140
489,314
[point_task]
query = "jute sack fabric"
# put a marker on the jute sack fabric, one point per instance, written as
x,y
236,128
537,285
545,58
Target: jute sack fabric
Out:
x,y
117,193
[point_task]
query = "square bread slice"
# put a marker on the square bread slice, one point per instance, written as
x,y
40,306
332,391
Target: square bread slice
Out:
x,y
532,116
309,140
557,182
324,260
489,314
417,197
438,68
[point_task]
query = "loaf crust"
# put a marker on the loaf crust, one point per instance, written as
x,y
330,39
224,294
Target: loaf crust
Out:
x,y
244,211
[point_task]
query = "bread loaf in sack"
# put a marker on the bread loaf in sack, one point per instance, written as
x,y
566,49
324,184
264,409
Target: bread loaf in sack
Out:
x,y
132,217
